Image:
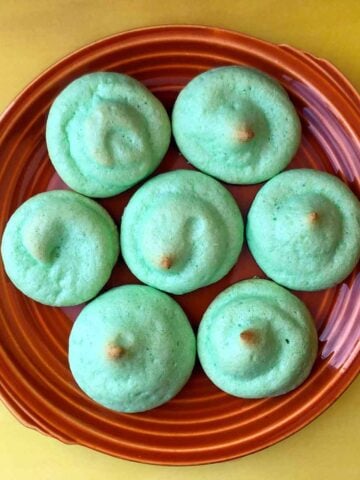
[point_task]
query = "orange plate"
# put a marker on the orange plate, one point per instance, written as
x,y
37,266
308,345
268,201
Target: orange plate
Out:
x,y
202,424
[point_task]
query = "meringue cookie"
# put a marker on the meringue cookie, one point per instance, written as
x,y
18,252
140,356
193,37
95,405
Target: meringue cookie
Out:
x,y
180,231
303,229
106,132
236,124
132,349
256,340
59,248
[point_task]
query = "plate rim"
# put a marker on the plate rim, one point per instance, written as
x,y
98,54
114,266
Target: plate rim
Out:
x,y
322,63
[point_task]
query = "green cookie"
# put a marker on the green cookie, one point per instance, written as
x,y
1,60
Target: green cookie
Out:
x,y
132,349
304,229
257,340
181,231
236,124
106,132
59,248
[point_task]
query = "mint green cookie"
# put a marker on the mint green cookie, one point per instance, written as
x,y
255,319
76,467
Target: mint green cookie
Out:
x,y
181,231
106,132
304,229
132,349
236,124
257,340
59,248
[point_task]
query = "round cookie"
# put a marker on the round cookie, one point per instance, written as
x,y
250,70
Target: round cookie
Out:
x,y
180,231
236,124
303,229
105,132
256,340
59,248
132,349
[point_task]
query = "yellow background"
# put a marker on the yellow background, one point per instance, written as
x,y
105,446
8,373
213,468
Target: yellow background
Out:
x,y
34,34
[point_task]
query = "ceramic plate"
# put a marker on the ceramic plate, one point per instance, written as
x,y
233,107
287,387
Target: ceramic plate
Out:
x,y
202,424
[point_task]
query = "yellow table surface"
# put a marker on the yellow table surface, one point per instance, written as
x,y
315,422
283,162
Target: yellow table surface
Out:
x,y
34,34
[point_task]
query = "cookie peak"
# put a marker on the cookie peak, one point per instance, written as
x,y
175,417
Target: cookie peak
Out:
x,y
166,262
244,134
40,237
249,337
313,218
114,352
